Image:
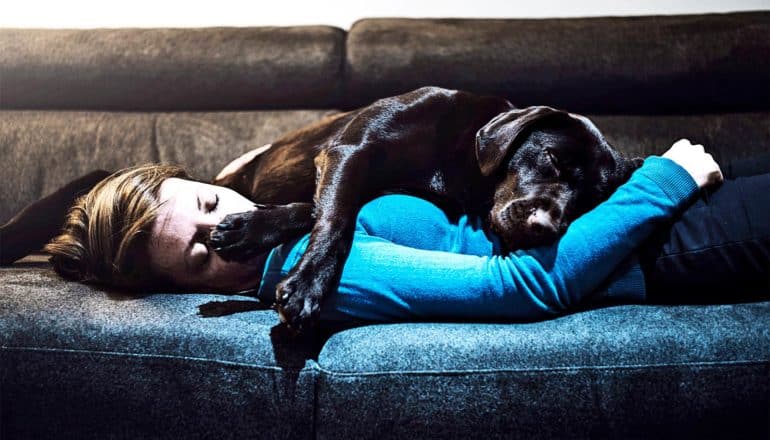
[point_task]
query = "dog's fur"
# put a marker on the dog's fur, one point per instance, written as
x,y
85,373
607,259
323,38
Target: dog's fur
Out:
x,y
529,172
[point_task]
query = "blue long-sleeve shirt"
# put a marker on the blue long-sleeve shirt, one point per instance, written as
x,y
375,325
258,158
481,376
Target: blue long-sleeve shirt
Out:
x,y
408,261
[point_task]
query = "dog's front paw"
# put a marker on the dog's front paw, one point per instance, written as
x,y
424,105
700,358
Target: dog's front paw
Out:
x,y
298,300
243,235
232,238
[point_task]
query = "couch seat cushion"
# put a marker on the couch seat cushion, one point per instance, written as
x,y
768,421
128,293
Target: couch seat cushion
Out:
x,y
618,372
71,352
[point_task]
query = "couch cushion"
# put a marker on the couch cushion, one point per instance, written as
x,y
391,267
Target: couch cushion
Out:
x,y
95,364
655,64
618,372
729,137
46,149
171,69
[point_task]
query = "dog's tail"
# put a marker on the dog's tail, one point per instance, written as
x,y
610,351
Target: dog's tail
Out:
x,y
30,229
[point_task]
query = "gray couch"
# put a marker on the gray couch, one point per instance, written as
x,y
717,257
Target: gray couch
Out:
x,y
77,362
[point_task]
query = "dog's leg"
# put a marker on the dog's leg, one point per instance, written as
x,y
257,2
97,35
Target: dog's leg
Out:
x,y
342,171
30,229
243,235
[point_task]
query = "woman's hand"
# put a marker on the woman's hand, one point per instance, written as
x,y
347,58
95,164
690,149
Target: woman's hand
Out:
x,y
694,159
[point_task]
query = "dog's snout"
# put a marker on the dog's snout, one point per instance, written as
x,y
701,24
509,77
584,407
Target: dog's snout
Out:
x,y
527,222
542,218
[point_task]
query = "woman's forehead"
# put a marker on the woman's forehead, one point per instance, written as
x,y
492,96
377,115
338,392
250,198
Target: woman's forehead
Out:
x,y
174,186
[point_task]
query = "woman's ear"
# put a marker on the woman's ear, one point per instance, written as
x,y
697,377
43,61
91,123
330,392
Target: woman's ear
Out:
x,y
495,140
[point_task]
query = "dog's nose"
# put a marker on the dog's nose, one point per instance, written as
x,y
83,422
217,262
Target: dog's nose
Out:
x,y
542,218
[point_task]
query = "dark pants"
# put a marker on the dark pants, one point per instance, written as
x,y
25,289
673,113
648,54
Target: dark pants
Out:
x,y
718,250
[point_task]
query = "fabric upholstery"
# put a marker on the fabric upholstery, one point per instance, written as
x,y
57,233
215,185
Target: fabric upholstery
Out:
x,y
101,364
728,137
618,372
171,69
630,65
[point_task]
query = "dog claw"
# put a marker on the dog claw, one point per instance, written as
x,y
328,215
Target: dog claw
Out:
x,y
298,302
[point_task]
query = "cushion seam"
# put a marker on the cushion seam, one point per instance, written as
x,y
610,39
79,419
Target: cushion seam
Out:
x,y
315,366
718,364
310,367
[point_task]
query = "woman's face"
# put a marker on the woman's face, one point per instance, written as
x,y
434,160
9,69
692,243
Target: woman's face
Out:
x,y
178,241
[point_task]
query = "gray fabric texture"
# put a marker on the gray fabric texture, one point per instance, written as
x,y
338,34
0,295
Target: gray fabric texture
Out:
x,y
629,65
150,367
171,69
101,364
619,372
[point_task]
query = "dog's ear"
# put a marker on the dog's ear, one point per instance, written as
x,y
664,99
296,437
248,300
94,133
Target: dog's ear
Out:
x,y
495,139
616,176
628,167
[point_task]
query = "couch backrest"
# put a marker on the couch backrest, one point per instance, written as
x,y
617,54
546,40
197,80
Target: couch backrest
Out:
x,y
630,65
618,65
171,69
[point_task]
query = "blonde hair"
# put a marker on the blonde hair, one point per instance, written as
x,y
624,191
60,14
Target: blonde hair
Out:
x,y
104,237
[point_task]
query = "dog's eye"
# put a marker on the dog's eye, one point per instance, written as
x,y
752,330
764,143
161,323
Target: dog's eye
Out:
x,y
554,160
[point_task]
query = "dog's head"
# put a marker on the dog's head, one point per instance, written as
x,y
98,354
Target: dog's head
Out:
x,y
552,166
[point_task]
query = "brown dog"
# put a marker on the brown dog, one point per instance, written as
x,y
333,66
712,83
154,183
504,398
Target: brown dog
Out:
x,y
529,171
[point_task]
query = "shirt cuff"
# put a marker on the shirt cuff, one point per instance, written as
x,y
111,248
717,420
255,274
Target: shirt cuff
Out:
x,y
674,180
